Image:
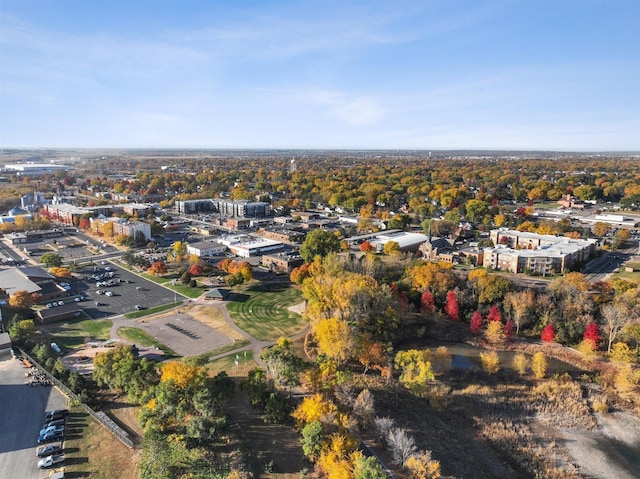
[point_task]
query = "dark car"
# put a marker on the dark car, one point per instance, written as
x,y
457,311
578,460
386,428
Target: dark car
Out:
x,y
51,436
50,429
55,422
48,450
56,414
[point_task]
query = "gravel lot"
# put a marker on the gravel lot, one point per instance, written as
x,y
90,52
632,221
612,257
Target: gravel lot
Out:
x,y
183,334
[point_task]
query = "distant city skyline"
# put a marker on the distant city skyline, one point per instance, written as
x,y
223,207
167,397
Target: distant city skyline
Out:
x,y
428,75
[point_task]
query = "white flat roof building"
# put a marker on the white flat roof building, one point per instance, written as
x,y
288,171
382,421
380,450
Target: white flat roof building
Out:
x,y
255,247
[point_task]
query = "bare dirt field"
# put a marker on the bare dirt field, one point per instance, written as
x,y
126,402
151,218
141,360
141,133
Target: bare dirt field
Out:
x,y
183,333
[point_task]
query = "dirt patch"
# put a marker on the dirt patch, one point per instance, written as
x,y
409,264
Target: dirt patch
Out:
x,y
213,317
183,334
267,442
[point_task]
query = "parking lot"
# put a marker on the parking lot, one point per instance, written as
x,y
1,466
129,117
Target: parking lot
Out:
x,y
21,416
127,289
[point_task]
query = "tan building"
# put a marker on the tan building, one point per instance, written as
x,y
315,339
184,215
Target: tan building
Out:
x,y
282,262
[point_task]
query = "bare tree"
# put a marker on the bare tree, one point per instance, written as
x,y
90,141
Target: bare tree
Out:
x,y
364,408
616,316
402,446
383,426
521,302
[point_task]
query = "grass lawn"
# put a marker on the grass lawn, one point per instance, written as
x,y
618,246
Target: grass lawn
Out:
x,y
92,451
138,336
629,276
227,364
155,309
179,287
75,333
262,312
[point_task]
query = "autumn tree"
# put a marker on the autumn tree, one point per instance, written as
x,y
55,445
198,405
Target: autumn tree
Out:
x,y
493,288
315,408
367,247
490,360
548,334
335,339
592,333
21,299
452,308
494,314
60,272
427,303
158,268
415,370
539,364
371,354
196,270
494,333
521,304
476,322
391,247
520,363
299,274
421,465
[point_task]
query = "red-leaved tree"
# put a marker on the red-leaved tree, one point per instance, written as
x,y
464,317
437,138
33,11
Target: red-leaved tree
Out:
x,y
509,329
196,270
592,333
427,303
452,308
476,322
548,333
494,314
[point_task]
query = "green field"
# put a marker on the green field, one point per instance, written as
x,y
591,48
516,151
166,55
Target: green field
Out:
x,y
138,336
179,287
75,333
262,311
227,364
629,276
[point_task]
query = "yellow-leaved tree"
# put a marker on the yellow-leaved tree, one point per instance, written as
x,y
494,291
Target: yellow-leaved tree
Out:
x,y
181,373
315,408
539,364
335,339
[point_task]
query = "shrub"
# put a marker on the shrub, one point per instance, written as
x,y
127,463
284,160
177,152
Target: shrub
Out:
x,y
587,347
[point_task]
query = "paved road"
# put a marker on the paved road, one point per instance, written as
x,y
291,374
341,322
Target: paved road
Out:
x,y
22,411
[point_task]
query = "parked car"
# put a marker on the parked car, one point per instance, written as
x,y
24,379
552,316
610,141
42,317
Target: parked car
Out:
x,y
49,429
54,422
109,293
56,414
51,437
51,461
49,449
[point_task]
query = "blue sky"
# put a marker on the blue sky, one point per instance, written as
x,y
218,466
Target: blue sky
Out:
x,y
450,74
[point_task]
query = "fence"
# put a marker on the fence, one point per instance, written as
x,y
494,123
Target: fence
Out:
x,y
100,416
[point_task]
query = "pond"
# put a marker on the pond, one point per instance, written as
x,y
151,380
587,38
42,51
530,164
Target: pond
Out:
x,y
467,357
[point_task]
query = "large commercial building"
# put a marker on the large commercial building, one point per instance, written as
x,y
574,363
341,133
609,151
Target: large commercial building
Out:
x,y
519,251
206,248
231,208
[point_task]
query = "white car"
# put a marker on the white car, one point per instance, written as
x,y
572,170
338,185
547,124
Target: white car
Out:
x,y
109,293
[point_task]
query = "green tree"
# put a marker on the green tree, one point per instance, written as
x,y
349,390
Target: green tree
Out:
x,y
23,330
319,243
51,259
